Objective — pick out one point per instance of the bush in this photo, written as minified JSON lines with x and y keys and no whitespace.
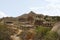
{"x":51,"y":36}
{"x":40,"y":32}
{"x":4,"y":33}
{"x":42,"y":29}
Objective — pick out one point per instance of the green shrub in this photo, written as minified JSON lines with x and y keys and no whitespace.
{"x":51,"y":36}
{"x":40,"y":32}
{"x":42,"y":29}
{"x":4,"y":33}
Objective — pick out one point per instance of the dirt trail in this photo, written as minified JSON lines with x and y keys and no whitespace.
{"x":56,"y":27}
{"x":15,"y":37}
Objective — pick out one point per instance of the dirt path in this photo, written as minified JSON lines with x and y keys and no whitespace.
{"x":15,"y":37}
{"x":56,"y":27}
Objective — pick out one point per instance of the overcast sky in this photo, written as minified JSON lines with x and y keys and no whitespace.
{"x":19,"y":7}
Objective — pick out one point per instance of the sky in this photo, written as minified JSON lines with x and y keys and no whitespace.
{"x":18,"y":7}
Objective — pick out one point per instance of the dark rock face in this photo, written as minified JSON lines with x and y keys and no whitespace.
{"x":38,"y":22}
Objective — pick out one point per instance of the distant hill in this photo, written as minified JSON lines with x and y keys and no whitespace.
{"x":31,"y":16}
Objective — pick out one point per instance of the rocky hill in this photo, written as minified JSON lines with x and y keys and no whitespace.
{"x":31,"y":26}
{"x":31,"y":19}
